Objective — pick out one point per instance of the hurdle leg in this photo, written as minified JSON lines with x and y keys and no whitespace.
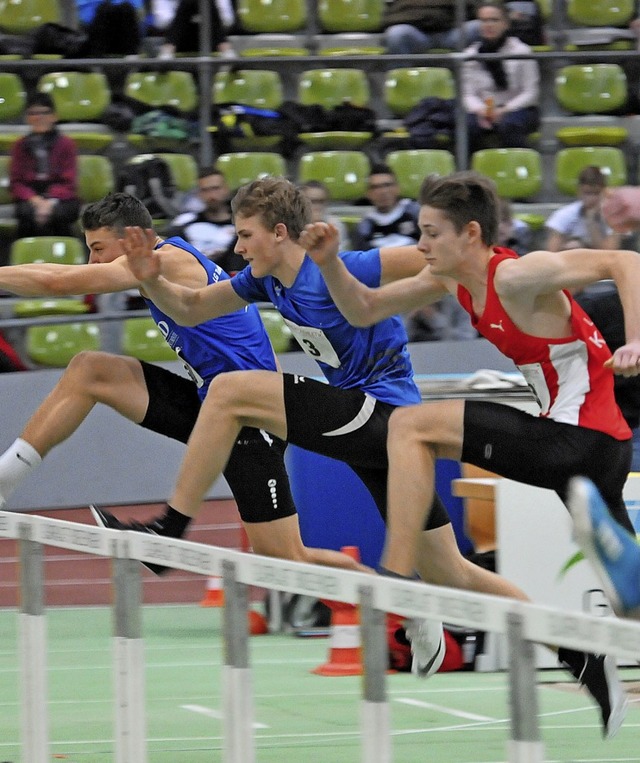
{"x":33,"y":651}
{"x":128,"y":663}
{"x":239,"y":742}
{"x":525,"y":745}
{"x":375,"y":722}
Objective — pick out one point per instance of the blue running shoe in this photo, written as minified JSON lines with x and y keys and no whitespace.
{"x":613,"y":552}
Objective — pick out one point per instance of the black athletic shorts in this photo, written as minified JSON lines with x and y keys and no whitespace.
{"x":255,"y":471}
{"x":545,"y":453}
{"x":350,"y":426}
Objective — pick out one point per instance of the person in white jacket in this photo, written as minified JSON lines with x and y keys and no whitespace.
{"x":500,"y":95}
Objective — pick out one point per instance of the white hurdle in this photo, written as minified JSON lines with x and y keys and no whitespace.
{"x":522,"y":623}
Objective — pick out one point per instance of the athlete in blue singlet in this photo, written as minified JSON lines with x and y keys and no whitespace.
{"x":152,"y":396}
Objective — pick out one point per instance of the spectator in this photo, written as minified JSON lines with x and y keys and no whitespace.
{"x":513,"y":233}
{"x":113,"y":27}
{"x":318,"y":195}
{"x":211,"y":229}
{"x":526,"y":22}
{"x":500,"y":95}
{"x":182,"y":34}
{"x":392,"y":221}
{"x":42,"y":174}
{"x":416,"y":26}
{"x":581,"y":223}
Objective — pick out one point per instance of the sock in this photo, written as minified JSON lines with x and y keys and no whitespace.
{"x":173,"y":524}
{"x":15,"y":463}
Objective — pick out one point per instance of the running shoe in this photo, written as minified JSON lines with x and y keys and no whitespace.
{"x":599,"y":675}
{"x":105,"y":519}
{"x":613,"y":552}
{"x":427,"y":646}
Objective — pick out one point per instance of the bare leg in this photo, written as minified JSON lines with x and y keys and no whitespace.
{"x":90,"y":378}
{"x":418,"y":435}
{"x":235,"y":399}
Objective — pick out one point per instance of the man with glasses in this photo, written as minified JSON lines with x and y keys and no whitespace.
{"x":43,"y":174}
{"x":392,"y":221}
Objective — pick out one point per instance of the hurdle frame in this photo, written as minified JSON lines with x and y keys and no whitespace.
{"x":523,"y":623}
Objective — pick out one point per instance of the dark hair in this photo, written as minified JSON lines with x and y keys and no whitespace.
{"x":205,"y":172}
{"x":275,"y":200}
{"x":592,"y":175}
{"x":464,"y":197}
{"x":117,"y":211}
{"x":40,"y":99}
{"x":500,"y":7}
{"x":379,"y":168}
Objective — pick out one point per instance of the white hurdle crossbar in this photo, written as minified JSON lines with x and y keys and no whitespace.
{"x":522,"y":623}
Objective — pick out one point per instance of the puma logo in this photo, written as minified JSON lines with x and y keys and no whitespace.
{"x":498,"y":325}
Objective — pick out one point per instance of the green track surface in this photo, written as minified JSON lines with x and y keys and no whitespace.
{"x":452,"y":718}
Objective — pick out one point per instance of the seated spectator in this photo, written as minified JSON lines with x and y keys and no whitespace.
{"x":211,"y":229}
{"x":526,"y":22}
{"x":182,"y":34}
{"x":581,"y":222}
{"x":43,"y":173}
{"x":392,"y":221}
{"x":443,"y":320}
{"x":513,"y":233}
{"x":113,"y":27}
{"x":416,"y":26}
{"x":500,"y":96}
{"x":318,"y":195}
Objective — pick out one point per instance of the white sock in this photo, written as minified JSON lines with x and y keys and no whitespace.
{"x":15,"y":463}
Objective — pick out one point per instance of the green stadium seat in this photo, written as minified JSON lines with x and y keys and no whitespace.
{"x":184,"y":170}
{"x":12,"y":97}
{"x":350,"y":15}
{"x":261,"y":88}
{"x":244,"y":167}
{"x":404,"y":88}
{"x":517,"y":172}
{"x":24,"y":16}
{"x":278,"y":331}
{"x":64,"y":250}
{"x":141,"y":338}
{"x":411,"y":166}
{"x":260,"y":16}
{"x":5,"y":195}
{"x":600,"y":12}
{"x":344,"y":173}
{"x":571,"y":161}
{"x":56,"y":344}
{"x":78,"y":96}
{"x":591,"y":88}
{"x":176,"y":89}
{"x":95,"y":177}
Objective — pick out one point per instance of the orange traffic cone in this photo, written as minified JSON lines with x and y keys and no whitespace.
{"x":345,"y":657}
{"x":214,"y":594}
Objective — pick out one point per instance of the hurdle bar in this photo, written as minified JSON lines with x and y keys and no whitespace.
{"x":523,"y":623}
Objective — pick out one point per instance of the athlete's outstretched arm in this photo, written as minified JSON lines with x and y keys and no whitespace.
{"x":186,"y":306}
{"x":56,"y":280}
{"x":360,"y":304}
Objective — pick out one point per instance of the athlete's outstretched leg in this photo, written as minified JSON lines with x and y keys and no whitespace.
{"x":90,"y":378}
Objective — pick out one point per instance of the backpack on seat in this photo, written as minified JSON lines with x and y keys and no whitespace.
{"x":149,"y":179}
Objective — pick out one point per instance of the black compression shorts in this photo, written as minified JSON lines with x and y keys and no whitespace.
{"x":255,"y":471}
{"x":347,"y":425}
{"x":545,"y":453}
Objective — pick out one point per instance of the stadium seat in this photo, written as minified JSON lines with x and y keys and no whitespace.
{"x":350,"y":15}
{"x":571,"y":161}
{"x":64,"y":250}
{"x":95,"y":177}
{"x":176,"y":89}
{"x":411,"y":166}
{"x":12,"y":97}
{"x":269,"y":45}
{"x":278,"y":331}
{"x":259,"y":16}
{"x":404,"y":88}
{"x":261,"y":88}
{"x":32,"y":308}
{"x":591,"y":88}
{"x":78,"y":96}
{"x":55,"y":345}
{"x":350,"y":44}
{"x":5,"y":196}
{"x":24,"y":16}
{"x":600,"y":12}
{"x":243,"y":167}
{"x":141,"y":338}
{"x":517,"y":172}
{"x":330,"y":88}
{"x":344,"y":173}
{"x":184,"y":170}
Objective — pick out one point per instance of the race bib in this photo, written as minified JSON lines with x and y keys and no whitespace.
{"x":314,"y":343}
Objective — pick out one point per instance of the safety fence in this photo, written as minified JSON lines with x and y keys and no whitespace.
{"x":523,"y":624}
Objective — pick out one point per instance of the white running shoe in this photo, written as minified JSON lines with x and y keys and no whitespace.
{"x":427,"y":646}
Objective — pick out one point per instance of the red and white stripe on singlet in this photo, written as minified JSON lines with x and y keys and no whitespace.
{"x":567,"y":375}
